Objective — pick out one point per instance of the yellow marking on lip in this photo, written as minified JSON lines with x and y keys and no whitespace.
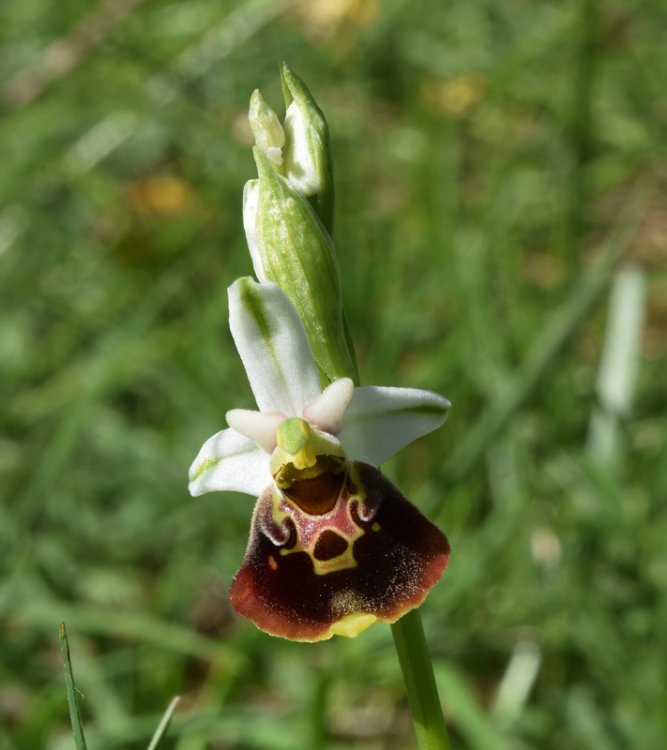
{"x":322,"y":567}
{"x":351,"y":625}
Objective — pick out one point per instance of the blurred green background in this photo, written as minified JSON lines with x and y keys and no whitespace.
{"x":501,"y":227}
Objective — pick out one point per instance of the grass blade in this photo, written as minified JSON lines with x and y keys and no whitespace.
{"x":164,"y":722}
{"x":619,"y":366}
{"x":75,"y":716}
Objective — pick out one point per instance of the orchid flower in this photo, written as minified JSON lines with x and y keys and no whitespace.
{"x":334,"y":546}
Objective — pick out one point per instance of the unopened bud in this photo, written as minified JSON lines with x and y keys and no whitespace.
{"x":266,"y":128}
{"x":290,"y":246}
{"x":307,"y":152}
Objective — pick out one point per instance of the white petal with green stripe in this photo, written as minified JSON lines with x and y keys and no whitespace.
{"x":229,"y":462}
{"x":380,"y":421}
{"x":272,"y":343}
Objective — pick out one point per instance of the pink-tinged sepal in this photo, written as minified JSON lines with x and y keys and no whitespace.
{"x":372,"y":556}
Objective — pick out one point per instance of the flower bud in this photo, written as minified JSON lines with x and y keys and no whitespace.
{"x":290,"y":246}
{"x":307,"y":152}
{"x":266,"y":128}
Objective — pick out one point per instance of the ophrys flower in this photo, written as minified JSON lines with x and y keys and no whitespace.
{"x":334,"y":546}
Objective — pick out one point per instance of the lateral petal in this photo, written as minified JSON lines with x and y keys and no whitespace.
{"x":380,"y":421}
{"x":229,"y":462}
{"x":327,"y":410}
{"x":272,"y":343}
{"x":259,"y":426}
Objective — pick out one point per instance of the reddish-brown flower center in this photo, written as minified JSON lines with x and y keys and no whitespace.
{"x":316,"y":488}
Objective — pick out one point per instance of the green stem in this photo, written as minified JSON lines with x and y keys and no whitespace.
{"x":420,"y":684}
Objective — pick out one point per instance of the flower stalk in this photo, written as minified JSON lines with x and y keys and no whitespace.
{"x":422,"y":692}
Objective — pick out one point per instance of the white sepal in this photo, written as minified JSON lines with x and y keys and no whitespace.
{"x":380,"y":421}
{"x":230,"y":462}
{"x":272,"y":343}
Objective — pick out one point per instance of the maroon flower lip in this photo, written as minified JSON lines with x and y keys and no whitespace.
{"x":372,"y":557}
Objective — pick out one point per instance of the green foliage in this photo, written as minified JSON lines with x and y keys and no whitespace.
{"x":488,"y":158}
